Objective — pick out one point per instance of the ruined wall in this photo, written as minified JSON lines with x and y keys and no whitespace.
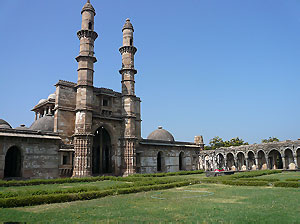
{"x":39,"y":156}
{"x":276,"y":155}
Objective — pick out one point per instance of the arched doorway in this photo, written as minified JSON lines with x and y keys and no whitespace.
{"x":181,"y":161}
{"x":160,"y":162}
{"x":13,"y":163}
{"x":275,"y":160}
{"x":262,"y":162}
{"x":220,"y":161}
{"x":289,"y":159}
{"x":241,"y":162}
{"x":207,"y":164}
{"x":102,"y":152}
{"x":230,"y":161}
{"x":251,"y":161}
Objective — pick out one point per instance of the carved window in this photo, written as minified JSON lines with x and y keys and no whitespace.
{"x":90,"y":25}
{"x":65,"y":159}
{"x":131,"y":42}
{"x":105,"y":102}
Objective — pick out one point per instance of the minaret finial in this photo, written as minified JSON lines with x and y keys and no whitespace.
{"x":88,"y":1}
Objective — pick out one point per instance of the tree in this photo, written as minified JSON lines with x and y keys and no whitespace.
{"x":218,"y":142}
{"x":271,"y":139}
{"x":235,"y":142}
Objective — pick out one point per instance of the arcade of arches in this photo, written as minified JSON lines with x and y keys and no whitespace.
{"x":282,"y":155}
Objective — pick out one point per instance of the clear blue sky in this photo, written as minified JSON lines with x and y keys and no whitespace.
{"x":205,"y":67}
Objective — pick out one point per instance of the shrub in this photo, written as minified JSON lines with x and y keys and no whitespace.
{"x":287,"y":184}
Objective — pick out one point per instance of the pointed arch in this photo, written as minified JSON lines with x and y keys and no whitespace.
{"x":275,"y":160}
{"x":241,"y":161}
{"x":101,"y":152}
{"x":289,"y":159}
{"x":13,"y":163}
{"x":181,"y":161}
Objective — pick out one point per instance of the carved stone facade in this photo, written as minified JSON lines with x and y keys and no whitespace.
{"x":279,"y":155}
{"x":84,"y":130}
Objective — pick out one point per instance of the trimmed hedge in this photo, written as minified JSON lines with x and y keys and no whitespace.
{"x":287,"y":184}
{"x":237,"y":182}
{"x":293,"y":179}
{"x":168,"y":174}
{"x":52,"y":181}
{"x":260,"y":179}
{"x":135,"y":177}
{"x":147,"y":182}
{"x":245,"y":183}
{"x":254,"y":173}
{"x":59,"y":198}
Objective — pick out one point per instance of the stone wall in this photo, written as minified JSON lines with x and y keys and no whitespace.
{"x":147,"y":158}
{"x":39,"y":154}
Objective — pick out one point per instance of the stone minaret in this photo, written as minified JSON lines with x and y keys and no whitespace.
{"x":129,"y":137}
{"x":83,"y":136}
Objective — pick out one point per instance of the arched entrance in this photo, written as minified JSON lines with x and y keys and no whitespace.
{"x":251,"y":161}
{"x":275,"y":160}
{"x":289,"y":159}
{"x":241,"y":162}
{"x":262,"y":162}
{"x":181,"y":161}
{"x":160,"y":162}
{"x":220,"y":161}
{"x":13,"y":163}
{"x":207,"y":164}
{"x":230,"y":161}
{"x":102,"y":152}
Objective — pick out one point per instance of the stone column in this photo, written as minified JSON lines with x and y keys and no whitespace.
{"x":283,"y":163}
{"x":247,"y":163}
{"x":295,"y":160}
{"x":256,"y":163}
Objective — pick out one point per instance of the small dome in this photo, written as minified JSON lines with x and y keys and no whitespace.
{"x":22,"y":127}
{"x":41,"y":101}
{"x":88,"y":7}
{"x":127,"y":25}
{"x":161,"y":134}
{"x":45,"y":123}
{"x":4,"y":124}
{"x":52,"y":96}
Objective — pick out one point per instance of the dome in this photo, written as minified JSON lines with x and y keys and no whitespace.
{"x":22,"y":127}
{"x":127,"y":25}
{"x":45,"y":123}
{"x":161,"y":134}
{"x":4,"y":124}
{"x":88,"y":7}
{"x":52,"y":96}
{"x":41,"y":101}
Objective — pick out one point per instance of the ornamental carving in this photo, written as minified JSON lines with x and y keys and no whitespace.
{"x":128,"y":49}
{"x":87,"y":34}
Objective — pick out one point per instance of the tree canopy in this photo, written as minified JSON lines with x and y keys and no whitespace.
{"x":218,"y":142}
{"x":271,"y":139}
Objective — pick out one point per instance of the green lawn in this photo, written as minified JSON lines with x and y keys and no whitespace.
{"x":208,"y":203}
{"x":203,"y":203}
